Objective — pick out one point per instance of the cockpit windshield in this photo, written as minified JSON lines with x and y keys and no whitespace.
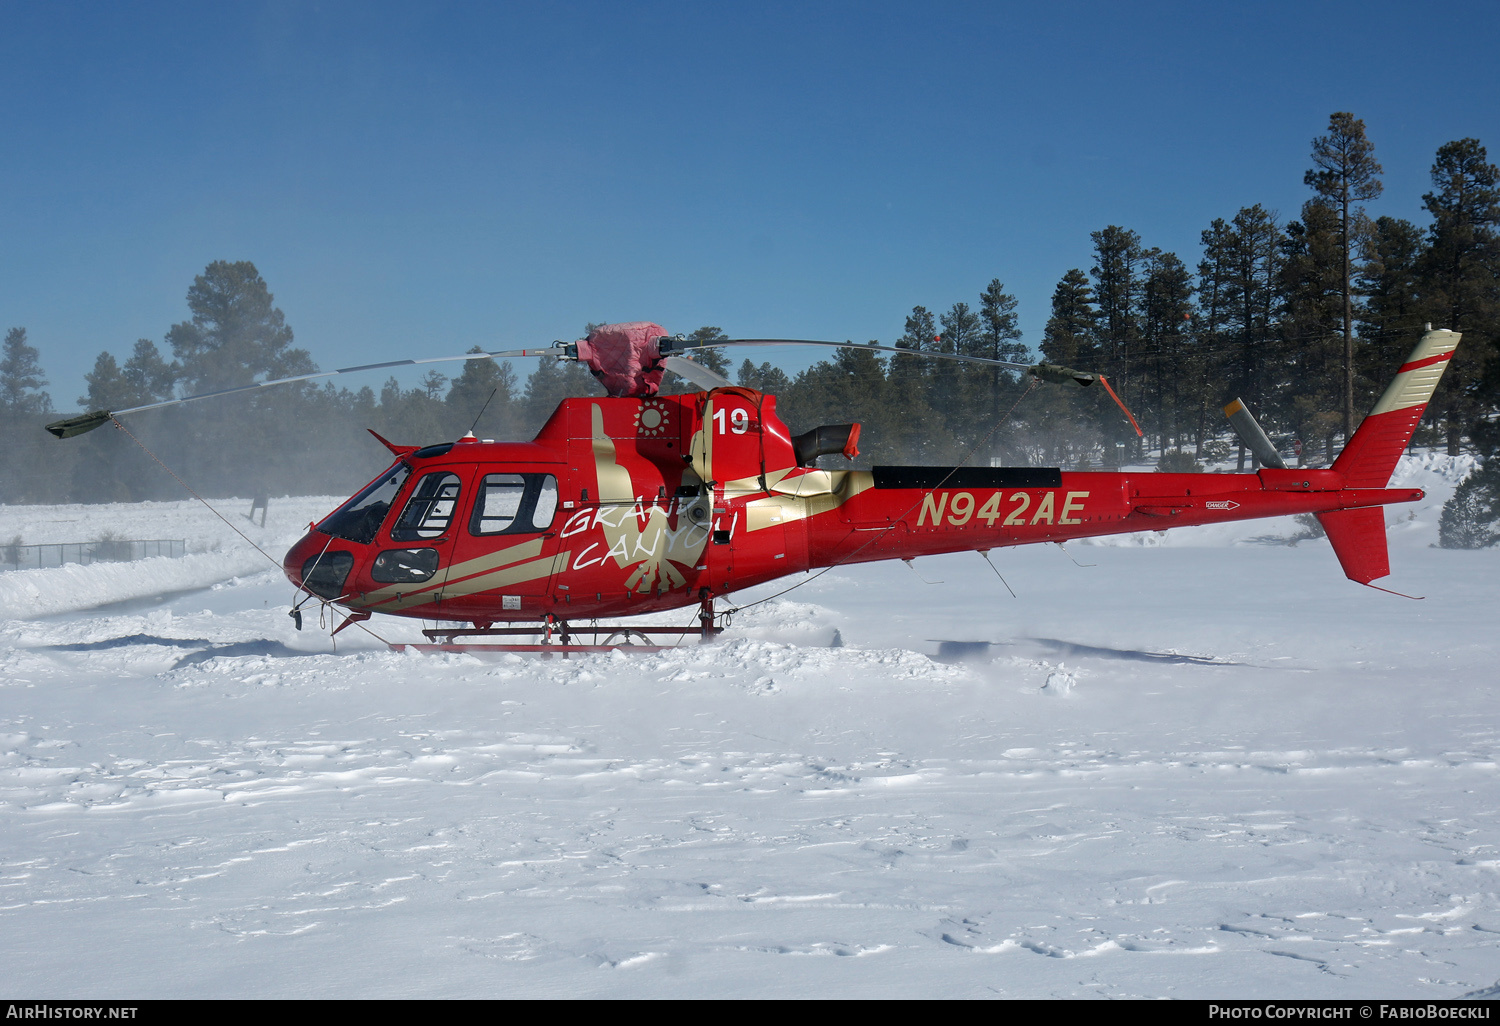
{"x":360,"y":518}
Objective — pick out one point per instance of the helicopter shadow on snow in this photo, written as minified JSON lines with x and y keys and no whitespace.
{"x":969,"y":651}
{"x":206,"y":649}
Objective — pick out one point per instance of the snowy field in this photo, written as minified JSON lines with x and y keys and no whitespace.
{"x":1205,"y":766}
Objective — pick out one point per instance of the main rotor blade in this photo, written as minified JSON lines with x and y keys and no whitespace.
{"x":680,"y":346}
{"x":698,"y":374}
{"x":71,"y":426}
{"x":1248,"y":428}
{"x":1050,"y":372}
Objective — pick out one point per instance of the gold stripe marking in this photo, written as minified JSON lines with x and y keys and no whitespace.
{"x":458,"y":571}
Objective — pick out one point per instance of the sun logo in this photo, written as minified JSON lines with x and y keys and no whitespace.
{"x":651,"y":419}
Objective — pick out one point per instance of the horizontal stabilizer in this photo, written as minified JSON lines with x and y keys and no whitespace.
{"x":1358,"y":538}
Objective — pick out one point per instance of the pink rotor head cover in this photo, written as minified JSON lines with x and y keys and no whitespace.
{"x":625,"y":357}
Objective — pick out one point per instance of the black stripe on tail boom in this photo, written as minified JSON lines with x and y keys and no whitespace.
{"x":967,"y":477}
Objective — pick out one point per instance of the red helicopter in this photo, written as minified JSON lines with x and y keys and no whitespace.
{"x":639,"y":502}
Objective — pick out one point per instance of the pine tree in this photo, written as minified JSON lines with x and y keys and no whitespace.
{"x":1252,"y":298}
{"x":1211,"y":325}
{"x":1345,"y":173}
{"x":483,"y":386}
{"x":1390,"y":318}
{"x":235,"y":336}
{"x":1469,"y":516}
{"x":960,"y":391}
{"x":910,"y":377}
{"x":921,"y":330}
{"x":28,"y":473}
{"x":109,"y":468}
{"x":107,"y":387}
{"x":765,"y":378}
{"x":236,"y":332}
{"x":432,"y":384}
{"x":151,"y":379}
{"x":1070,"y":338}
{"x":960,"y":331}
{"x":21,"y":379}
{"x":1165,"y":320}
{"x":713,"y":359}
{"x":1461,"y":275}
{"x":1310,"y":390}
{"x":1000,"y":335}
{"x":551,"y":383}
{"x":1238,"y":296}
{"x":1000,"y":329}
{"x":1067,"y":419}
{"x":1116,"y":275}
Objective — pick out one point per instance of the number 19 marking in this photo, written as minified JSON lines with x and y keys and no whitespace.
{"x":739,"y":421}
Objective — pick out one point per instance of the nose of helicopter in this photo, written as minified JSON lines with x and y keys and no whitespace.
{"x":315,"y":565}
{"x":296,"y":557}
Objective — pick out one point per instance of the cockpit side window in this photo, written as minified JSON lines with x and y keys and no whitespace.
{"x":430,"y":508}
{"x":360,"y":518}
{"x":514,"y":504}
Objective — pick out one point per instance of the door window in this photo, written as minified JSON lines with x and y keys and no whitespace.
{"x":430,"y":509}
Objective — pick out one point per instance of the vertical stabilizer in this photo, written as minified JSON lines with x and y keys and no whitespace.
{"x":1358,"y":539}
{"x":1371,"y":455}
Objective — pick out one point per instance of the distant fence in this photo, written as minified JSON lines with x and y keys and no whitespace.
{"x":109,"y":550}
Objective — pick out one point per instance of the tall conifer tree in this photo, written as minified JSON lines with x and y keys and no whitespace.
{"x":1345,"y":173}
{"x":1212,"y":323}
{"x":1117,"y":285}
{"x":913,"y":377}
{"x":1310,"y":387}
{"x":1166,"y":314}
{"x":1461,"y":274}
{"x":1070,"y":336}
{"x":1390,"y":318}
{"x":1000,"y":328}
{"x":485,"y":390}
{"x":21,"y":378}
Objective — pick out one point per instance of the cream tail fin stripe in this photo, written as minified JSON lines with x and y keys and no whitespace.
{"x":1419,"y":375}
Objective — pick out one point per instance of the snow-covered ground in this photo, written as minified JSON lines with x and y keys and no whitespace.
{"x":215,"y":552}
{"x":1202,"y":766}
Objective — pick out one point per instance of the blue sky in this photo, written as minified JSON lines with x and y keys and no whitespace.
{"x":413,"y":179}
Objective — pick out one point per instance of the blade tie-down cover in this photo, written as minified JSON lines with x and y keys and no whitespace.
{"x":625,"y":357}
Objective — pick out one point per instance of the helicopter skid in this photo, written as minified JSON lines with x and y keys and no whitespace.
{"x":557,"y":639}
{"x":542,"y":650}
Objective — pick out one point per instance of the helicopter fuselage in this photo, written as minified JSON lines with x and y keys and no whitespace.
{"x":626,"y":505}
